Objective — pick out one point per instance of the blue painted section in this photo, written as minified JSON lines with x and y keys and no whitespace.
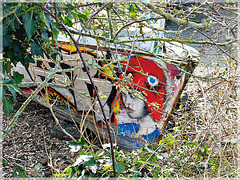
{"x":128,"y":131}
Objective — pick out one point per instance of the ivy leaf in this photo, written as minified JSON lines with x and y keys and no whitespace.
{"x":36,"y":49}
{"x":119,"y":167}
{"x":44,"y":35}
{"x":8,"y":67}
{"x":190,"y":144}
{"x":28,"y":59}
{"x":132,"y":13}
{"x":149,"y":148}
{"x":48,"y":20}
{"x":18,"y":77}
{"x":138,"y":7}
{"x":12,"y":26}
{"x":7,"y":106}
{"x":55,"y":31}
{"x":30,"y":27}
{"x":98,"y":153}
{"x":75,"y":146}
{"x":7,"y":40}
{"x":90,"y":162}
{"x":42,"y":17}
{"x":110,"y":5}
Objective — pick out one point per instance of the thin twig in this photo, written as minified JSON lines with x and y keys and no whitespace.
{"x":94,"y":14}
{"x":73,"y":7}
{"x":216,"y":45}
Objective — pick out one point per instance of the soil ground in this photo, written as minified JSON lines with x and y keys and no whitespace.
{"x":29,"y":142}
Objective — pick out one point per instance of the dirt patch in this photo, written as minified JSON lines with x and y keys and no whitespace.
{"x":29,"y":142}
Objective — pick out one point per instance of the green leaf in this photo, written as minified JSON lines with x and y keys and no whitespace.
{"x":48,"y":20}
{"x":67,"y":21}
{"x":30,"y":27}
{"x":13,"y":92}
{"x":110,"y":5}
{"x":149,"y":148}
{"x":16,"y":88}
{"x":20,"y":167}
{"x":36,"y":49}
{"x":72,"y":143}
{"x":12,"y":26}
{"x":15,"y":174}
{"x":115,"y":11}
{"x":137,"y":6}
{"x":28,"y":58}
{"x":131,"y":11}
{"x":7,"y":40}
{"x":120,"y":167}
{"x":180,"y":106}
{"x":7,"y":106}
{"x":87,"y":13}
{"x":55,"y":31}
{"x":5,"y":163}
{"x":18,"y":77}
{"x":75,"y":146}
{"x":8,"y":67}
{"x":37,"y":167}
{"x":5,"y":131}
{"x":42,"y":17}
{"x":144,"y":162}
{"x":21,"y":170}
{"x":83,"y":17}
{"x":44,"y":35}
{"x":97,"y":154}
{"x":70,"y":15}
{"x":91,"y":162}
{"x":190,"y":144}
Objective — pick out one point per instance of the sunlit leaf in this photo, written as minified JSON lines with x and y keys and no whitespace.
{"x":106,"y":168}
{"x":180,"y":106}
{"x":75,"y":146}
{"x":87,"y":13}
{"x":67,"y":21}
{"x":81,"y":159}
{"x":131,"y":11}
